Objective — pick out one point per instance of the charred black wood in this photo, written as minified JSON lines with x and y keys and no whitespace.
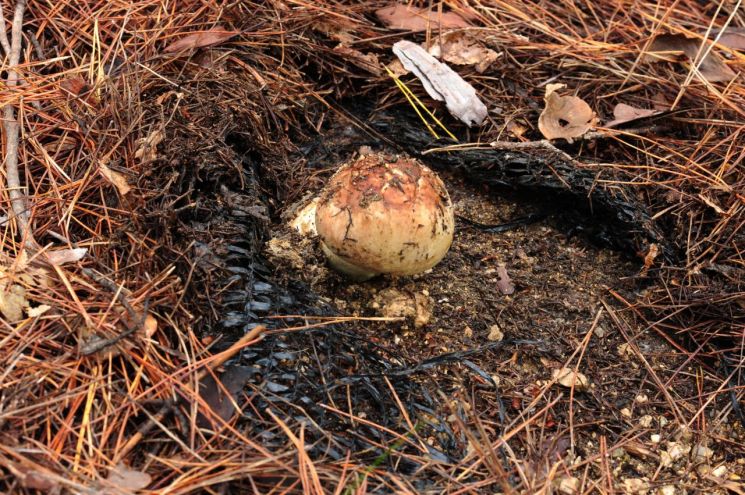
{"x":567,"y":193}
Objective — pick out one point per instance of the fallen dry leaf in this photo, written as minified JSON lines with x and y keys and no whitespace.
{"x":16,"y":276}
{"x":201,"y":39}
{"x":143,"y":325}
{"x":74,"y":85}
{"x":147,"y":323}
{"x":223,"y":405}
{"x":12,"y":299}
{"x":515,"y":128}
{"x":567,"y":377}
{"x":34,"y":480}
{"x":115,"y":178}
{"x":733,"y":37}
{"x":150,"y":326}
{"x":397,"y":68}
{"x":339,"y":30}
{"x":410,"y":18}
{"x":565,"y":117}
{"x":37,"y":311}
{"x":671,"y":46}
{"x":442,"y":83}
{"x":462,"y":48}
{"x":504,"y":283}
{"x":62,"y":256}
{"x":623,"y":113}
{"x":365,"y":61}
{"x":125,"y":480}
{"x":660,"y":102}
{"x":147,"y":147}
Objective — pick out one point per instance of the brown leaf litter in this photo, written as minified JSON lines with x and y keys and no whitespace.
{"x":504,"y":283}
{"x":680,"y":48}
{"x":200,"y":39}
{"x":221,"y":394}
{"x":410,"y":18}
{"x":623,"y":113}
{"x":123,"y":480}
{"x":733,"y":37}
{"x":17,"y":277}
{"x":566,"y":117}
{"x":463,"y":48}
{"x":366,"y":61}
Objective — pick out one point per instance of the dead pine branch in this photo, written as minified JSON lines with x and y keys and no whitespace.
{"x":12,"y":127}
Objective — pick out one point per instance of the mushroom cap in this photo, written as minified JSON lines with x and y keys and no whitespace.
{"x":382,"y":214}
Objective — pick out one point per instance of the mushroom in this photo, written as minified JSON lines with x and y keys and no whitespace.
{"x":384,"y":215}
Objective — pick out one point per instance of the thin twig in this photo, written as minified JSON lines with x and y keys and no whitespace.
{"x":37,"y":46}
{"x":3,"y":34}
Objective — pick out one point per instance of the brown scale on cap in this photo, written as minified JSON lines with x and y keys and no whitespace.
{"x":382,"y":214}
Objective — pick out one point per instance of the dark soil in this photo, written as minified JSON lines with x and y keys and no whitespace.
{"x":564,"y":287}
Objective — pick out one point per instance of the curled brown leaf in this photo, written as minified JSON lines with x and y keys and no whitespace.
{"x":504,"y":282}
{"x":565,"y":117}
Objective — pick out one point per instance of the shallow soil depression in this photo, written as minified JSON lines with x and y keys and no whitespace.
{"x":509,"y":322}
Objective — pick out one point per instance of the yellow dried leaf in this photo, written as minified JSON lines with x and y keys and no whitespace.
{"x":38,"y":310}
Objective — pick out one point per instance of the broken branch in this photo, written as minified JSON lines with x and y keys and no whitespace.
{"x":12,"y":128}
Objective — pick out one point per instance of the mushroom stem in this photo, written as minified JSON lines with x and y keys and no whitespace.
{"x":352,"y":271}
